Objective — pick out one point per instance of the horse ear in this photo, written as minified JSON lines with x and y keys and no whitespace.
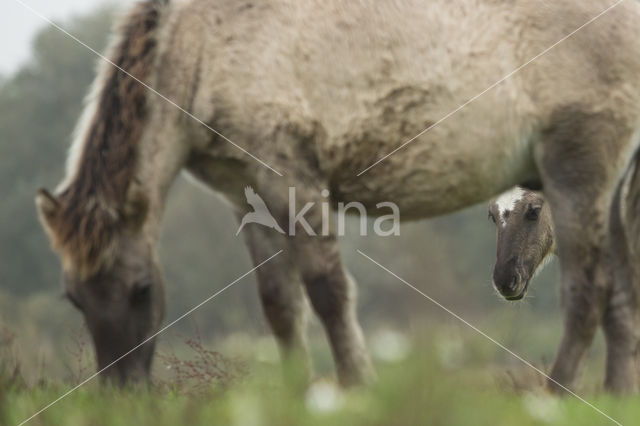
{"x":48,"y":207}
{"x":136,"y":207}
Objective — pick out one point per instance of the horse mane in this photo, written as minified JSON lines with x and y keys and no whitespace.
{"x":92,"y":203}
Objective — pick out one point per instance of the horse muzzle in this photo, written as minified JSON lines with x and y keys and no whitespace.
{"x":510,"y":283}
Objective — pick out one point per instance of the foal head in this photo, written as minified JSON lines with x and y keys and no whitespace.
{"x":525,"y":239}
{"x":111,"y":275}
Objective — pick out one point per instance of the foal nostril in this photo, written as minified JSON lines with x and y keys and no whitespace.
{"x":506,"y":277}
{"x":506,"y":281}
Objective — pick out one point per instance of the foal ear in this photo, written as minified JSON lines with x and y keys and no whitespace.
{"x":136,"y":206}
{"x":48,"y":207}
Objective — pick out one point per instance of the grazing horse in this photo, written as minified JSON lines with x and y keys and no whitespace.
{"x":526,"y":242}
{"x":321,"y":92}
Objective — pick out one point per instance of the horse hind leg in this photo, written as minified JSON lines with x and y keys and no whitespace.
{"x":620,"y":325}
{"x":283,"y":300}
{"x":579,"y":159}
{"x":621,"y":322}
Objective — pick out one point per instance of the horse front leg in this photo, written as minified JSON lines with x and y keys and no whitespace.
{"x":283,"y":301}
{"x":297,"y":199}
{"x":331,"y":290}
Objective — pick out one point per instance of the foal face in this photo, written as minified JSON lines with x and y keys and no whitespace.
{"x":122,"y":305}
{"x":525,"y":239}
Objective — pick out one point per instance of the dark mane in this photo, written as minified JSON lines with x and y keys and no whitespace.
{"x":92,"y":205}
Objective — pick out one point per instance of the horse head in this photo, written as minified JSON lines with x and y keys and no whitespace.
{"x":525,"y":240}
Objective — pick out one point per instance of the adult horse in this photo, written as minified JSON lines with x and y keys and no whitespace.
{"x":319,"y":92}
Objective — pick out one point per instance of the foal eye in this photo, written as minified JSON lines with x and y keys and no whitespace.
{"x":141,"y":293}
{"x":533,"y":213}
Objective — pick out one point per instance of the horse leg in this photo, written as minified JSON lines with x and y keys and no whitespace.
{"x":620,"y":325}
{"x":579,"y":158}
{"x":283,"y":300}
{"x":331,"y":291}
{"x":622,"y":317}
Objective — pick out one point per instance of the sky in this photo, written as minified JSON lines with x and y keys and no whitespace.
{"x":18,"y":25}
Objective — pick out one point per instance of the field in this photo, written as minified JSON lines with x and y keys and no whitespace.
{"x":450,"y":378}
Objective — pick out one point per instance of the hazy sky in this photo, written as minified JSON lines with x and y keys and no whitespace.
{"x":18,"y":25}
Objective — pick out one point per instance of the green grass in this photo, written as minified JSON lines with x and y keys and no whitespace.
{"x":421,"y":389}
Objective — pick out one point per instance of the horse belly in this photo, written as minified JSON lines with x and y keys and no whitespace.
{"x":372,"y":87}
{"x":468,"y":158}
{"x":385,"y":87}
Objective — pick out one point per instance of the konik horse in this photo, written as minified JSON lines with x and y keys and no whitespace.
{"x":315,"y":95}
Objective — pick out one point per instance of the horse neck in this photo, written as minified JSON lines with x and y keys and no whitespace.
{"x":104,"y":184}
{"x":162,"y":156}
{"x":119,"y":148}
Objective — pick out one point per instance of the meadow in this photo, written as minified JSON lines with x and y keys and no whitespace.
{"x":437,"y":376}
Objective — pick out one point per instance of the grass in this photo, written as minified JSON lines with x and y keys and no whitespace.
{"x":431,"y":383}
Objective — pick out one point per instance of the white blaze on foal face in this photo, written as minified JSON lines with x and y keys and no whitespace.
{"x":506,"y":203}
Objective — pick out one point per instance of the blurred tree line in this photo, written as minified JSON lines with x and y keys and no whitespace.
{"x":449,"y":258}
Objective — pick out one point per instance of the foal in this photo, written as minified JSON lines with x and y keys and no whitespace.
{"x":526,"y":242}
